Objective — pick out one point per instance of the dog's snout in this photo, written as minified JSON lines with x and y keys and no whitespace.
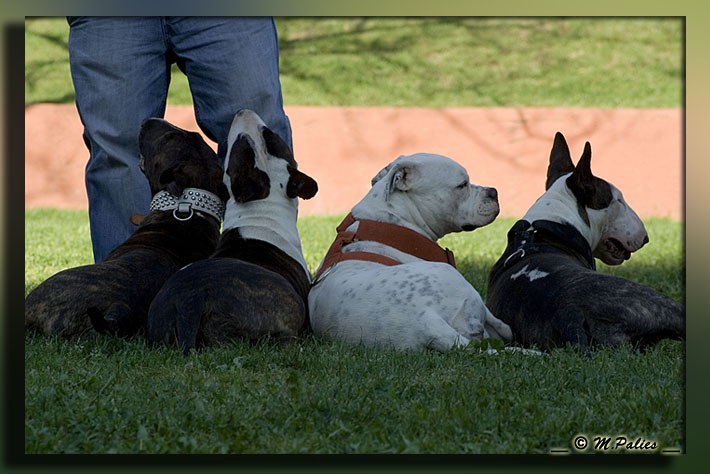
{"x":645,"y":239}
{"x":492,"y":193}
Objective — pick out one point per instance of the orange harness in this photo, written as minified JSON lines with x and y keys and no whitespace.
{"x":398,"y":237}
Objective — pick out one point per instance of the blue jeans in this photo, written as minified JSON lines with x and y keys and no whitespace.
{"x":121,"y":72}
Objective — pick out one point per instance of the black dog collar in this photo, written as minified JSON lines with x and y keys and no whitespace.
{"x":526,"y":238}
{"x":192,"y":201}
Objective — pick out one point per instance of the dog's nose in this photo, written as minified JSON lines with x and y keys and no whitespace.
{"x":492,"y":193}
{"x":645,"y":239}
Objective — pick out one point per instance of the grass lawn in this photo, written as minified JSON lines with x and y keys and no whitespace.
{"x":436,"y":62}
{"x":314,"y":396}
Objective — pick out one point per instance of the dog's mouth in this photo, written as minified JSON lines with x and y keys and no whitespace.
{"x":484,"y":216}
{"x":614,"y":252}
{"x":492,"y":212}
{"x":489,"y":208}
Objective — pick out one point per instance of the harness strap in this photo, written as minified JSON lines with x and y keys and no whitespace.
{"x":526,"y":238}
{"x":398,"y":237}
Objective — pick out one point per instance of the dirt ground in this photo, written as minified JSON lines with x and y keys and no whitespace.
{"x":342,"y":148}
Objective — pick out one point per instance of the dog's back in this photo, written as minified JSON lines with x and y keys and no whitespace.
{"x":247,"y":290}
{"x":119,"y":288}
{"x":553,"y":296}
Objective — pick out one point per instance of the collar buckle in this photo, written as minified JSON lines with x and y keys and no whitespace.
{"x":183,"y":208}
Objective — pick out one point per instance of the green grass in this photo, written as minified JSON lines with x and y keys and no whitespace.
{"x":437,"y":62}
{"x":314,"y":396}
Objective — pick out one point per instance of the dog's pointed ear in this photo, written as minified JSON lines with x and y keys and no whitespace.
{"x":582,"y":180}
{"x":300,"y":184}
{"x":589,"y":190}
{"x":584,"y":165}
{"x":560,"y":160}
{"x":401,"y":176}
{"x":249,"y":183}
{"x":581,"y":183}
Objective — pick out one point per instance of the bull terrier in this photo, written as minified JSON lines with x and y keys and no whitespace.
{"x":545,"y":285}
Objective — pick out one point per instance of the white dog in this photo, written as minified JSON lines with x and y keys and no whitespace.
{"x":408,"y":295}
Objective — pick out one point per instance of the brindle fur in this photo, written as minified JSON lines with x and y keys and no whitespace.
{"x":116,"y":293}
{"x":248,"y":290}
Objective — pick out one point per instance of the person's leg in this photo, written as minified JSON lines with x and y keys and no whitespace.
{"x":121,"y":77}
{"x":231,"y":63}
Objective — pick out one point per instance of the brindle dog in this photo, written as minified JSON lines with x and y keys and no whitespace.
{"x":256,"y":283}
{"x":113,"y":296}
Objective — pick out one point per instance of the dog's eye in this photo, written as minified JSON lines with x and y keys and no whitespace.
{"x":462,"y":185}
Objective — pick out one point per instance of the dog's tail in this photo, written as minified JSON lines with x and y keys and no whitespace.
{"x":497,"y":328}
{"x":118,"y":320}
{"x":173,"y":321}
{"x":189,"y":320}
{"x":667,"y":321}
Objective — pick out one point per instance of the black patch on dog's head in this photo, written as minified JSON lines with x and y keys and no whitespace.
{"x":173,"y":159}
{"x":592,"y":192}
{"x":249,"y":183}
{"x":560,"y":160}
{"x":275,"y":146}
{"x":300,"y":184}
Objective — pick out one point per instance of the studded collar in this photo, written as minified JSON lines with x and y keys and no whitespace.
{"x":192,"y":201}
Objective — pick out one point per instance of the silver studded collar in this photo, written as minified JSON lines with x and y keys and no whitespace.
{"x":192,"y":201}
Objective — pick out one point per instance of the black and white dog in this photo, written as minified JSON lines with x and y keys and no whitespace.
{"x":256,"y":283}
{"x":113,"y":296}
{"x":545,"y":285}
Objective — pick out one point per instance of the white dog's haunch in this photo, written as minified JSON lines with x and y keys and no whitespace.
{"x":385,"y":281}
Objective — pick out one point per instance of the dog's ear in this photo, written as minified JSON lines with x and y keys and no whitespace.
{"x":589,"y":190}
{"x":300,"y":184}
{"x":401,"y":176}
{"x":275,"y":146}
{"x":560,"y":160}
{"x":249,"y":183}
{"x":383,"y":172}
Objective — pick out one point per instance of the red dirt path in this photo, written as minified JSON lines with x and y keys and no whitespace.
{"x":342,"y":148}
